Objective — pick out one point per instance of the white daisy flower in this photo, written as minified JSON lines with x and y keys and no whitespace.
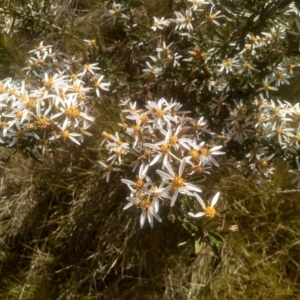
{"x":209,"y":211}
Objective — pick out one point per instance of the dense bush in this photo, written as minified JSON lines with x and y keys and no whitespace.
{"x":159,"y":104}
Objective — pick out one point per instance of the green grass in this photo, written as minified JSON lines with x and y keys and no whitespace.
{"x":66,"y":236}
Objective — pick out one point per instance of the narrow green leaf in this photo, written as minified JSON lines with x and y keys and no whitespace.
{"x":211,"y":225}
{"x":216,"y":238}
{"x":223,"y":212}
{"x":198,"y":245}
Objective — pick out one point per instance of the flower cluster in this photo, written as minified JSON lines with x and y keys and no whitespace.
{"x":116,"y":12}
{"x":238,"y":86}
{"x":51,"y":104}
{"x":23,"y":15}
{"x":167,"y":148}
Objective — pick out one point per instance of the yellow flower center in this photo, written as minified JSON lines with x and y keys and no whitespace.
{"x":165,"y":148}
{"x":20,"y":134}
{"x":137,"y":128}
{"x":2,"y":88}
{"x":205,"y":151}
{"x":12,"y":92}
{"x":118,"y":152}
{"x":76,"y":88}
{"x":42,"y":122}
{"x":139,"y":184}
{"x":210,"y":212}
{"x":72,"y":112}
{"x":173,"y":139}
{"x":210,"y":17}
{"x":198,"y":127}
{"x":297,"y":137}
{"x":3,"y":124}
{"x":143,"y":118}
{"x":177,"y":182}
{"x":147,"y":153}
{"x":74,"y":76}
{"x":39,"y":48}
{"x":279,"y":75}
{"x":30,"y":103}
{"x":187,"y":20}
{"x":247,"y":66}
{"x":81,"y":97}
{"x":145,"y":202}
{"x":159,"y":113}
{"x":19,"y":114}
{"x":278,"y":131}
{"x":228,"y":63}
{"x":65,"y":134}
{"x":93,"y":42}
{"x":194,"y":154}
{"x":48,"y":83}
{"x":97,"y":84}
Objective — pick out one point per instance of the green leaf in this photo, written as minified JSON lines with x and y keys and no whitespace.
{"x":214,"y":248}
{"x":214,"y":219}
{"x":223,"y":212}
{"x":198,"y":245}
{"x":198,"y":179}
{"x":211,"y":225}
{"x":212,"y":245}
{"x":215,"y":238}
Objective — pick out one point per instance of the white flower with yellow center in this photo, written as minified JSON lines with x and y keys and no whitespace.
{"x":209,"y":211}
{"x":146,"y":203}
{"x":140,"y":183}
{"x":159,"y":23}
{"x":176,"y":183}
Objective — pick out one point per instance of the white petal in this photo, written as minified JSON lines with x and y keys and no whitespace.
{"x":156,"y":205}
{"x":102,"y":164}
{"x":153,"y":212}
{"x":182,"y":166}
{"x":74,"y":140}
{"x":215,"y":148}
{"x":197,"y":215}
{"x":164,"y":175}
{"x":142,"y":219}
{"x":192,"y":187}
{"x":143,"y":170}
{"x":200,"y":201}
{"x":126,"y":181}
{"x":156,"y":159}
{"x":215,"y":199}
{"x":169,"y":168}
{"x":150,"y":218}
{"x":128,"y":205}
{"x":174,"y":197}
{"x":212,"y":159}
